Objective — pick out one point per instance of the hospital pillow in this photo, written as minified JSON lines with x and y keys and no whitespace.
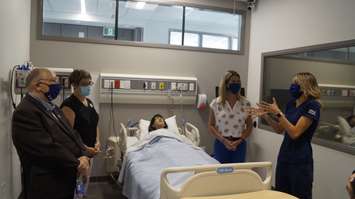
{"x":171,"y":122}
{"x":344,"y":126}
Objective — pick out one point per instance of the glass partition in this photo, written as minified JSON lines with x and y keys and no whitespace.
{"x":334,"y":68}
{"x":79,"y":18}
{"x":144,"y":23}
{"x":152,"y":22}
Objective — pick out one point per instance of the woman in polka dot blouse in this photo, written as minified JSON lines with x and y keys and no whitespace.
{"x":229,"y":122}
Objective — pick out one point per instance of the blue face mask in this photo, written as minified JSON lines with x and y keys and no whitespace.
{"x":85,"y":90}
{"x":295,"y":91}
{"x":53,"y":92}
{"x":234,"y":88}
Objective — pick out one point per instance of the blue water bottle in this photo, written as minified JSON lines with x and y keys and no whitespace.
{"x":80,"y":188}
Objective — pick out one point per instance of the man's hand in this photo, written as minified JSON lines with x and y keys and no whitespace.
{"x":84,"y":165}
{"x":349,"y":187}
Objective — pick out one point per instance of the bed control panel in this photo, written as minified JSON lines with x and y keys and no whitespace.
{"x":223,"y":170}
{"x":147,"y":89}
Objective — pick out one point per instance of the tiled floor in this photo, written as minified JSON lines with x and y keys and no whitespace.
{"x":104,"y":190}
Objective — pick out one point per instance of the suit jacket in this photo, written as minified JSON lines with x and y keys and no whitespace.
{"x":48,"y":149}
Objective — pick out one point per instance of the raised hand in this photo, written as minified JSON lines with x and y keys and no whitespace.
{"x":269,"y":108}
{"x":254,"y":112}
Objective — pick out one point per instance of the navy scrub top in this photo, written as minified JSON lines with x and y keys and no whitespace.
{"x":299,"y":151}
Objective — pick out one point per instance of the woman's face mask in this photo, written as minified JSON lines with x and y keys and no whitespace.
{"x":295,"y":91}
{"x":234,"y":88}
{"x":85,"y":90}
{"x":85,"y":87}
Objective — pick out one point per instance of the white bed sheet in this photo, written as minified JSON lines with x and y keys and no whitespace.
{"x":144,"y":161}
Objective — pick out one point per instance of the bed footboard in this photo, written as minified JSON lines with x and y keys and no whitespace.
{"x":219,"y":179}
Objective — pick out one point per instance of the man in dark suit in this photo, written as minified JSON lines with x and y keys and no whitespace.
{"x":50,"y":152}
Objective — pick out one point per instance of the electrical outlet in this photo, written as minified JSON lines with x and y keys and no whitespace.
{"x":191,"y":87}
{"x":180,"y":86}
{"x":153,"y":85}
{"x":173,"y":86}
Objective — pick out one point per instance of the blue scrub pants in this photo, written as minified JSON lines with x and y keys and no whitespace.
{"x":295,"y":179}
{"x":223,"y":155}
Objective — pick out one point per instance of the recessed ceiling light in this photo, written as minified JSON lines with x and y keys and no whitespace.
{"x":140,"y":5}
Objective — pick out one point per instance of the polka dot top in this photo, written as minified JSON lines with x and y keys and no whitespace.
{"x":230,"y":121}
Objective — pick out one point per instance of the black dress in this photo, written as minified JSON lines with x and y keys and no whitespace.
{"x":86,"y":119}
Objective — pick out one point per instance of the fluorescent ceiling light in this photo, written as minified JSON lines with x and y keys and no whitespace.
{"x":83,"y":7}
{"x":140,"y":5}
{"x":189,"y":9}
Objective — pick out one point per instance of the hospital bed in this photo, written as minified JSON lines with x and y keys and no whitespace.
{"x":144,"y":161}
{"x":348,"y":135}
{"x":222,"y":181}
{"x":339,"y":132}
{"x":128,"y":136}
{"x":168,"y":168}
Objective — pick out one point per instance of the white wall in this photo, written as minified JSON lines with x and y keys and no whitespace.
{"x":96,"y":58}
{"x":278,"y":25}
{"x":14,"y":49}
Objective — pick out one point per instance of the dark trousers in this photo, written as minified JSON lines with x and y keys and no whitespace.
{"x":295,"y":179}
{"x":223,"y":155}
{"x":39,"y":184}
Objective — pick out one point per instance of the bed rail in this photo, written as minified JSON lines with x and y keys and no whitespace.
{"x":192,"y":133}
{"x":219,"y":179}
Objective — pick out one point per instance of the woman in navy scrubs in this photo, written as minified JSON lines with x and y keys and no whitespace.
{"x":294,"y":172}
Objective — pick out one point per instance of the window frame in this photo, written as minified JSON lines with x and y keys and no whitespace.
{"x":242,"y":41}
{"x":201,"y":34}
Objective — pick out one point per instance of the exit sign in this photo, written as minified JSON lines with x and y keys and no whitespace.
{"x":109,"y":31}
